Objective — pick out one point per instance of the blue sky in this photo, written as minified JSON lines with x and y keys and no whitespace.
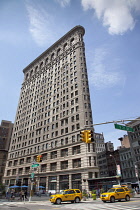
{"x":112,"y":41}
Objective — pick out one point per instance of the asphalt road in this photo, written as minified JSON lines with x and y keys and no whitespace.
{"x":134,"y":204}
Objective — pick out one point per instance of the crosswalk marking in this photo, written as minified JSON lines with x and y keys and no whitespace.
{"x":79,"y":206}
{"x":100,"y":206}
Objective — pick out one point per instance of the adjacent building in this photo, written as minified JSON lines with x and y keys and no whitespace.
{"x":54,"y":106}
{"x":127,"y":165}
{"x":134,"y":138}
{"x":100,"y":144}
{"x":5,"y":137}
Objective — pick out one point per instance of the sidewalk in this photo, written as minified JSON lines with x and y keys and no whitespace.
{"x":33,"y":199}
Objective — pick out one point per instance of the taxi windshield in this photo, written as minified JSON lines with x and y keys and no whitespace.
{"x":111,"y":190}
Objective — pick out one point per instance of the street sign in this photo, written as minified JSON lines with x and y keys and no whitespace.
{"x":35,"y":165}
{"x":32,"y":175}
{"x":122,"y":127}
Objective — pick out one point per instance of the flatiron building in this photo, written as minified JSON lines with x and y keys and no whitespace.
{"x":54,"y":106}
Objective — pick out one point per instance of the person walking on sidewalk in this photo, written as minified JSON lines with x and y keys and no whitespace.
{"x":25,"y":194}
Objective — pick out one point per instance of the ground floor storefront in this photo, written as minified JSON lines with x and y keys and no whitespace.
{"x":53,"y":183}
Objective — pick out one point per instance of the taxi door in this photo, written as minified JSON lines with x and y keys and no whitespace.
{"x":69,"y":195}
{"x":120,"y":193}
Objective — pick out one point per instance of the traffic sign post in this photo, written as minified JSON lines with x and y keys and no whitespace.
{"x":125,"y":128}
{"x":32,"y":175}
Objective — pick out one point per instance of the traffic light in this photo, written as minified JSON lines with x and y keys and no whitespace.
{"x":83,"y":136}
{"x":89,"y":138}
{"x":38,"y":158}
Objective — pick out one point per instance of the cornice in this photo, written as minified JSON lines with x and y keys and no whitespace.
{"x":76,"y":28}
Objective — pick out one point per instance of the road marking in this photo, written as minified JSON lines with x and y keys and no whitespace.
{"x":101,"y":207}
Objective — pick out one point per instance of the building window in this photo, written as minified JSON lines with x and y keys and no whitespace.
{"x":8,"y":172}
{"x":10,"y":163}
{"x":62,"y":141}
{"x":64,"y":152}
{"x":77,"y":163}
{"x":53,"y":154}
{"x":27,"y":170}
{"x":28,"y":159}
{"x":21,"y":161}
{"x":53,"y":166}
{"x":76,"y":150}
{"x":44,"y":156}
{"x":64,"y":165}
{"x":15,"y":162}
{"x":20,"y":170}
{"x":73,"y":138}
{"x":14,"y":172}
{"x":43,"y":168}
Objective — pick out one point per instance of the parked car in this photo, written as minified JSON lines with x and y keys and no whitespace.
{"x":73,"y":195}
{"x":118,"y":193}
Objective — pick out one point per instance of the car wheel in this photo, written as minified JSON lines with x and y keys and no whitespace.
{"x":58,"y":201}
{"x":77,"y":200}
{"x":112,"y":199}
{"x":127,"y":198}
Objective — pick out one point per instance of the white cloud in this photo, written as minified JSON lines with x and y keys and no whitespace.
{"x":104,"y":72}
{"x":117,"y":15}
{"x":41,"y":25}
{"x":63,"y":3}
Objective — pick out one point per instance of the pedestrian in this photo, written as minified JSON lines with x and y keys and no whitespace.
{"x":137,"y":190}
{"x":22,"y":195}
{"x":8,"y":195}
{"x":12,"y":195}
{"x":25,"y":194}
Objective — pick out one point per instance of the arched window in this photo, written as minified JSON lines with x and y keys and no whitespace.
{"x":46,"y":61}
{"x":31,"y":73}
{"x":58,"y":52}
{"x":52,"y":56}
{"x":26,"y":77}
{"x":65,"y":46}
{"x":72,"y":41}
{"x":36,"y":68}
{"x":41,"y":65}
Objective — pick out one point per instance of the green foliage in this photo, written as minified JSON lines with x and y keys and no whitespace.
{"x":93,"y":191}
{"x":85,"y":194}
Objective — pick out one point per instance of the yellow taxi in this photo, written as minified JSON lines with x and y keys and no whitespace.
{"x":116,"y":193}
{"x":73,"y":195}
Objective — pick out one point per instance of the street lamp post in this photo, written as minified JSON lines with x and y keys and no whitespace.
{"x":116,"y":166}
{"x":137,"y":173}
